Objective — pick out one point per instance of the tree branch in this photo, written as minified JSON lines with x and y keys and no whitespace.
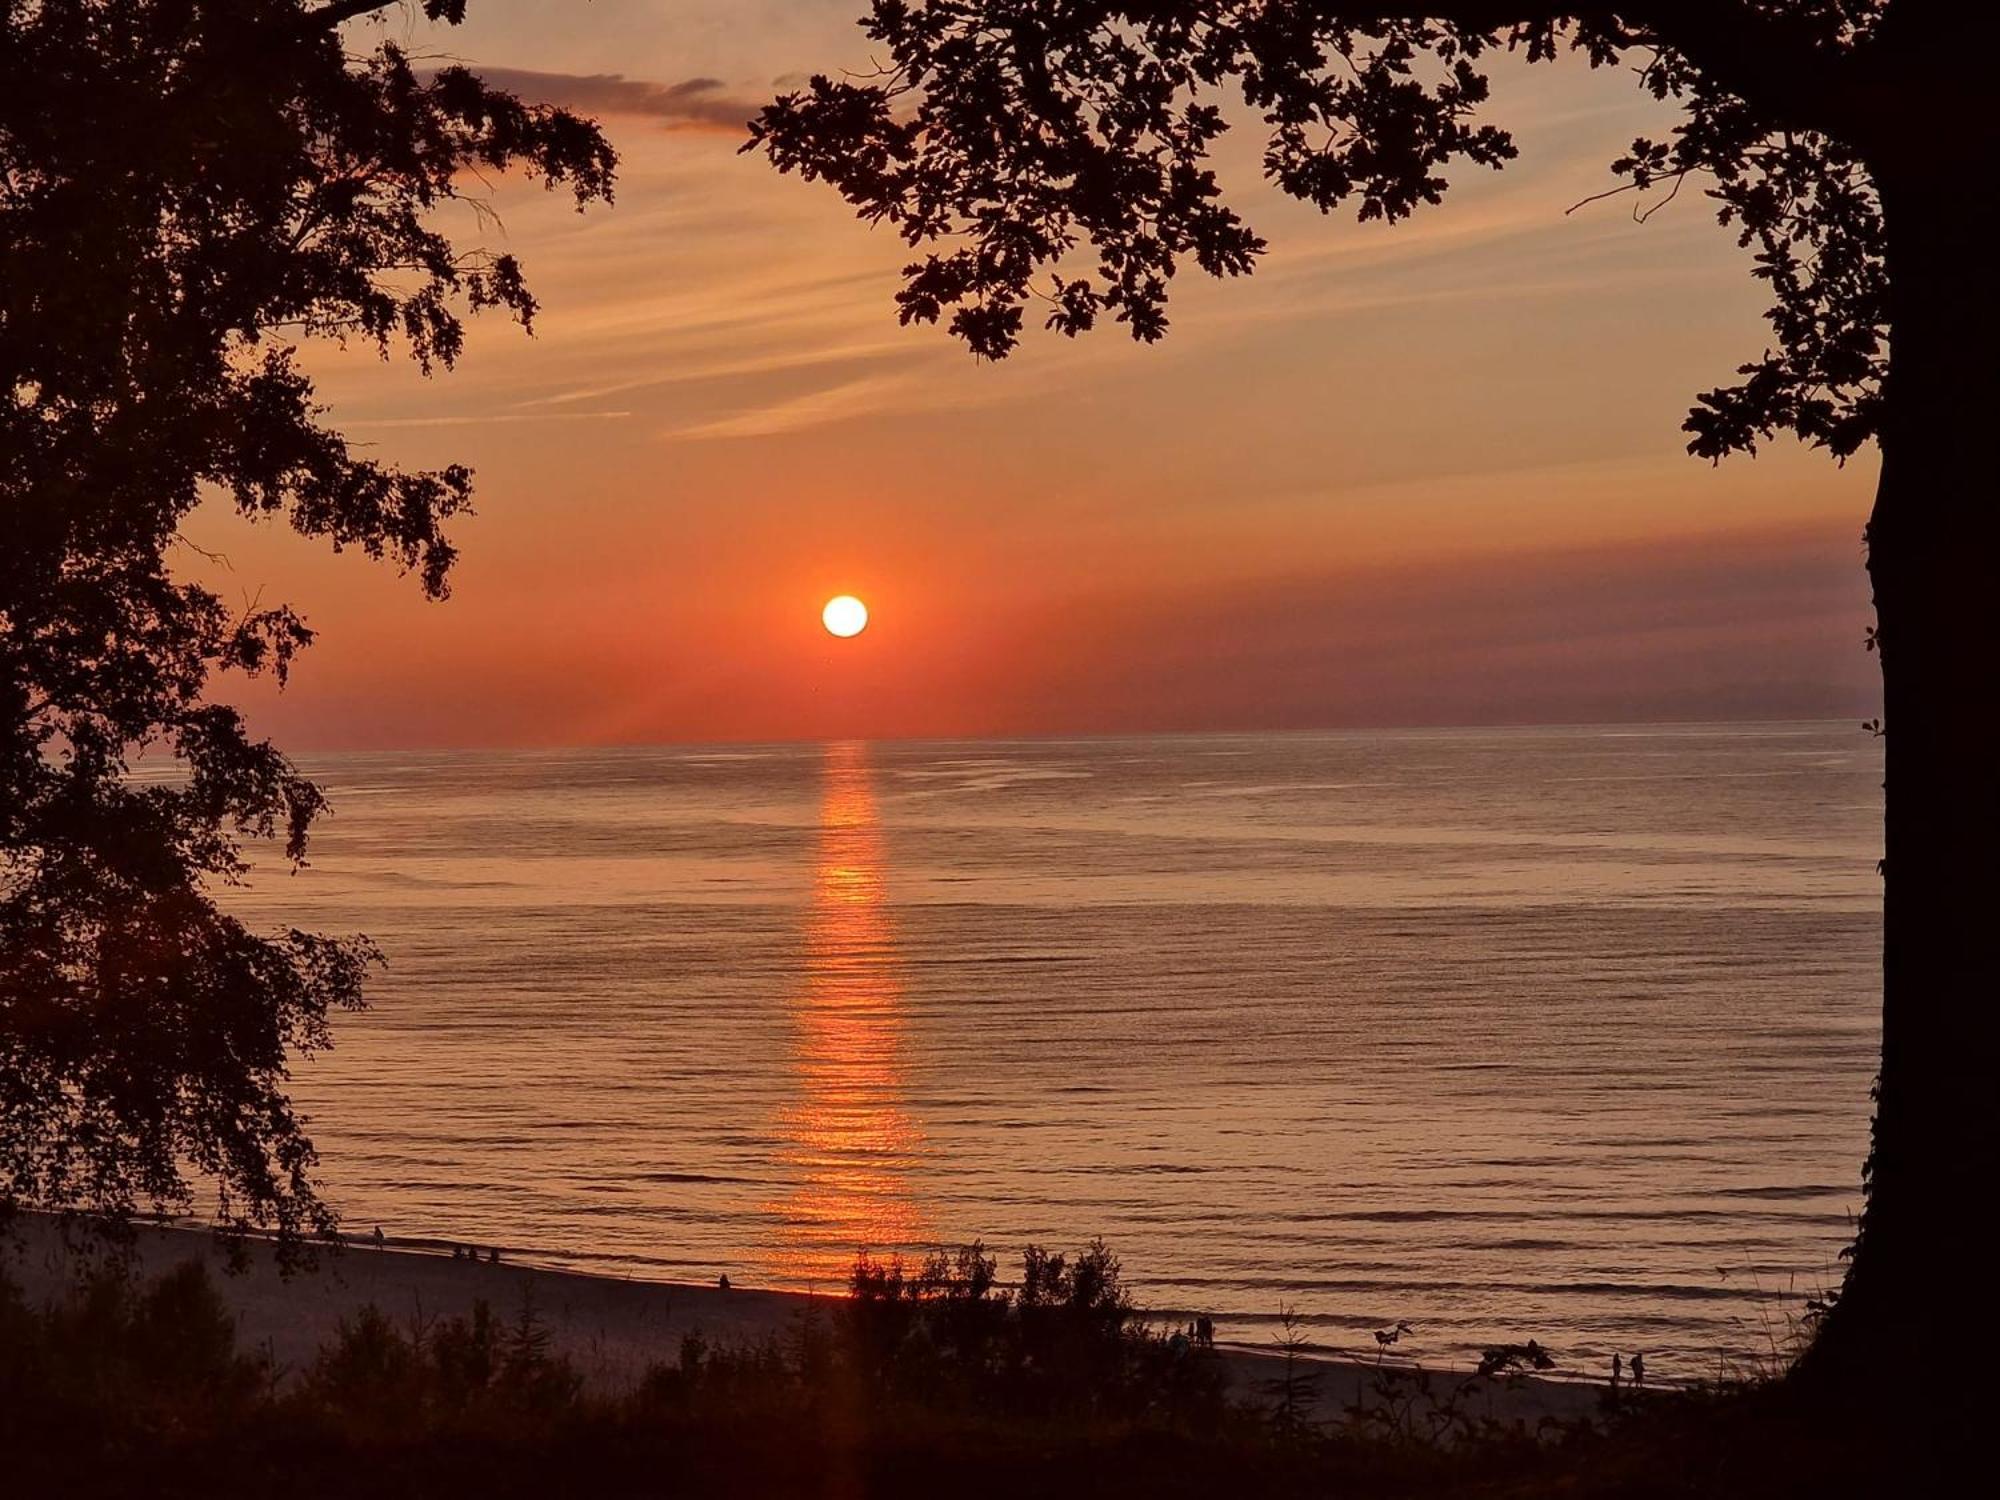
{"x":339,"y":12}
{"x":1768,"y":60}
{"x":1771,"y":62}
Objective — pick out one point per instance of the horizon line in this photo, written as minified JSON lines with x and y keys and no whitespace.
{"x":1079,"y":736}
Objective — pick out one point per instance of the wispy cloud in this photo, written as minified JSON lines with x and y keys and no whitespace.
{"x":693,"y":103}
{"x":855,"y":398}
{"x":722,"y":368}
{"x":492,"y":419}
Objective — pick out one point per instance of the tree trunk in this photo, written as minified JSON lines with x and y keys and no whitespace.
{"x":1915,"y":1311}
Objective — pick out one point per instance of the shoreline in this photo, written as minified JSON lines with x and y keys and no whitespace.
{"x":612,"y":1329}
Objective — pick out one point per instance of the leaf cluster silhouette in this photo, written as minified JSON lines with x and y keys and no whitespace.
{"x":188,"y":190}
{"x":1025,"y":136}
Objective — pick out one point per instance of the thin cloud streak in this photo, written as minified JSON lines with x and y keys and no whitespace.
{"x":764,"y":364}
{"x":691,"y":104}
{"x":868,"y":396}
{"x":495,"y":419}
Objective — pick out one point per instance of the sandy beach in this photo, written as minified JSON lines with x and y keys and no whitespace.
{"x":612,"y":1330}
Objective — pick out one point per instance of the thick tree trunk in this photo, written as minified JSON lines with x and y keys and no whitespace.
{"x":1915,"y":1312}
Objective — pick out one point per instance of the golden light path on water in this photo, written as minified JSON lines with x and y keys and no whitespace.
{"x":849,"y":1136}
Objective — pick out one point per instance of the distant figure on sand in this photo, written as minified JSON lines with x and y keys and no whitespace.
{"x":723,"y":1281}
{"x":1617,"y":1369}
{"x":492,"y":1256}
{"x":1204,"y":1331}
{"x":379,"y":1238}
{"x":1638,"y":1371}
{"x":458,"y":1252}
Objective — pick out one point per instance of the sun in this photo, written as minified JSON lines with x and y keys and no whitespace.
{"x":845,"y":615}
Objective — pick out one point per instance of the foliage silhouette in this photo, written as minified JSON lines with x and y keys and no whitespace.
{"x":188,"y":188}
{"x":126,"y":1388}
{"x":1292,"y":1393}
{"x":1060,"y":150}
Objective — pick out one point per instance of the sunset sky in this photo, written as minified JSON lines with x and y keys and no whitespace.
{"x":1423,"y":474}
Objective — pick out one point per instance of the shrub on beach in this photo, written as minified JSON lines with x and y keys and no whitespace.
{"x":455,"y":1373}
{"x":161,"y":1355}
{"x":121,"y":1360}
{"x":942,"y":1339}
{"x":930,"y":1377}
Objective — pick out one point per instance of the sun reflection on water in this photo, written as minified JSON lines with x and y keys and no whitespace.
{"x":849,"y":1138}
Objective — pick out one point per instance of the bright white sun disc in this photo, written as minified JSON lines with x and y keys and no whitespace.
{"x":845,"y":615}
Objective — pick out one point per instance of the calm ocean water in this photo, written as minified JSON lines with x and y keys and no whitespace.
{"x":1562,"y":1033}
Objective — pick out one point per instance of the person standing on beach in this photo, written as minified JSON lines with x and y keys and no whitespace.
{"x":1638,"y":1371}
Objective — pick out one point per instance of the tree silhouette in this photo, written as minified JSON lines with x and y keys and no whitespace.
{"x":187,"y":187}
{"x":1059,"y":150}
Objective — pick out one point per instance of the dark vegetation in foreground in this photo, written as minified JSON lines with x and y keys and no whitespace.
{"x":932,"y":1380}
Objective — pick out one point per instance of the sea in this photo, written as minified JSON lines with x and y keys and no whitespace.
{"x":1551,"y":1033}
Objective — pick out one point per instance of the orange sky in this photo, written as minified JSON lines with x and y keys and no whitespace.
{"x":1428,"y":473}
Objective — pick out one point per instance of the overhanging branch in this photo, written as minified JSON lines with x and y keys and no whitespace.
{"x":1779,"y":65}
{"x":340,"y":12}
